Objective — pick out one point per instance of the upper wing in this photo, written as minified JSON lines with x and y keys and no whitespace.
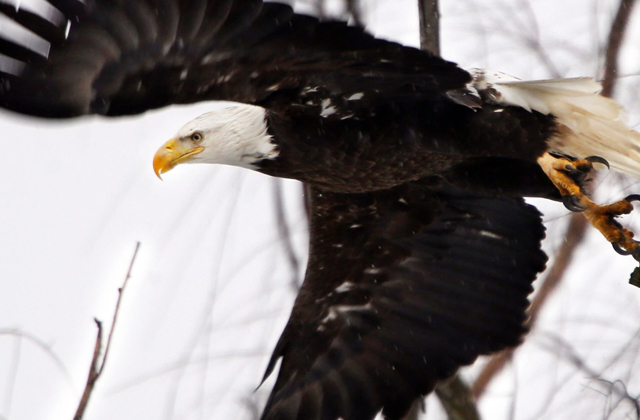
{"x":403,"y":287}
{"x":117,"y":57}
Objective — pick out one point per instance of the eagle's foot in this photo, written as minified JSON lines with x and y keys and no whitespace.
{"x":603,"y":219}
{"x":569,"y":175}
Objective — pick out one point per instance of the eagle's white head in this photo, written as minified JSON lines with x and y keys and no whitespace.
{"x":231,"y":136}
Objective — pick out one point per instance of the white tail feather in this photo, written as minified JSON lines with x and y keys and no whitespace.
{"x":590,"y":124}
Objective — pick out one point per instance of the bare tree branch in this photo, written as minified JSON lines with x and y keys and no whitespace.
{"x":429,"y":26}
{"x":97,"y":366}
{"x":568,"y":353}
{"x":577,"y":224}
{"x":93,"y":375}
{"x":117,"y":310}
{"x":616,"y":35}
{"x":457,"y":400}
{"x":13,"y":374}
{"x":42,"y":345}
{"x":353,"y":8}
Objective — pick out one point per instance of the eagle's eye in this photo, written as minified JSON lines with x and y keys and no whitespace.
{"x":196,"y":137}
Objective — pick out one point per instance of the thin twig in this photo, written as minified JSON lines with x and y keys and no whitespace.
{"x":93,"y":375}
{"x":567,"y":352}
{"x":13,"y":375}
{"x":577,"y":224}
{"x":43,"y":346}
{"x":285,"y":235}
{"x":115,"y":313}
{"x":97,"y":366}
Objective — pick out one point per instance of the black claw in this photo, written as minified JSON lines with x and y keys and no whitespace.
{"x":633,"y":197}
{"x":572,"y":202}
{"x":598,"y":159}
{"x":620,"y":250}
{"x":559,"y":155}
{"x":572,"y":171}
{"x":635,"y":253}
{"x":575,"y":174}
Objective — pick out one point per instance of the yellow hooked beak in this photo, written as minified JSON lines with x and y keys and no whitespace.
{"x":173,"y":152}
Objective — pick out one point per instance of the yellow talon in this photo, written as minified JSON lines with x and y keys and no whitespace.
{"x":568,"y":176}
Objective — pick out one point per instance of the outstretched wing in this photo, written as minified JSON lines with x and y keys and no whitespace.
{"x":116,"y":57}
{"x":403,"y":287}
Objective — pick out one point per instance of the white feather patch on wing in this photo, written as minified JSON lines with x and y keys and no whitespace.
{"x":590,"y":124}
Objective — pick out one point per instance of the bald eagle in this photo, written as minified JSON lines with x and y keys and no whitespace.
{"x":422,"y":251}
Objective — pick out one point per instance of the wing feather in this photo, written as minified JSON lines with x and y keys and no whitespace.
{"x":424,"y":282}
{"x":116,"y":57}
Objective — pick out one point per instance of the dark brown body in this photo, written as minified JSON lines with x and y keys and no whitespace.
{"x":387,"y":143}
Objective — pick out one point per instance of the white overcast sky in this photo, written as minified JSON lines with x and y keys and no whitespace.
{"x":211,"y":288}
